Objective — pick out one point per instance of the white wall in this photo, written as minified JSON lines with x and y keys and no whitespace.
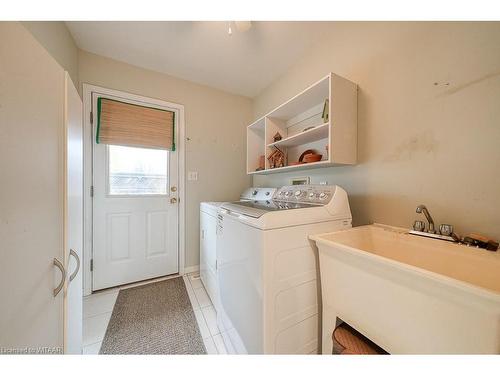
{"x":215,"y":126}
{"x":418,"y":142}
{"x":57,"y":40}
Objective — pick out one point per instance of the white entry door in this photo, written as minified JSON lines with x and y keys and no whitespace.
{"x":135,"y":212}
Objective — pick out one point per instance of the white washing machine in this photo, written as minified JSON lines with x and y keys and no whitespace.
{"x":208,"y":249}
{"x":268,"y":269}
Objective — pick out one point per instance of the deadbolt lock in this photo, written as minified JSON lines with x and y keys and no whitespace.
{"x":173,"y":188}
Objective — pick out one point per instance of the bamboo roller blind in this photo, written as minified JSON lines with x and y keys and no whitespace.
{"x":127,"y":124}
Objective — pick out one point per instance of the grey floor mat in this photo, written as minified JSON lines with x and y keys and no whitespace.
{"x":156,"y":318}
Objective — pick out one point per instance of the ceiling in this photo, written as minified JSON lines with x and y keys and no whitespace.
{"x":203,"y":52}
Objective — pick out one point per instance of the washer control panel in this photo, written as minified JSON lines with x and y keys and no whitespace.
{"x":257,"y":194}
{"x":315,"y":194}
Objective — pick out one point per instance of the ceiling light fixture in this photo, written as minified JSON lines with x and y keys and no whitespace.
{"x":241,"y":26}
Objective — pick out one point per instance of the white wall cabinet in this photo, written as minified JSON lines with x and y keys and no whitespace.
{"x":40,"y":199}
{"x":299,"y":121}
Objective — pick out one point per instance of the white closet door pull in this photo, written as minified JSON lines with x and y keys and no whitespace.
{"x":77,"y":258}
{"x":63,"y":276}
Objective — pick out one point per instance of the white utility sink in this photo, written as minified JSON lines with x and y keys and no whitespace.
{"x":410,"y":294}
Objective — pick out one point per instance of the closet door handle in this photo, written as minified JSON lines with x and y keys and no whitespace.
{"x":77,"y":258}
{"x":63,"y":276}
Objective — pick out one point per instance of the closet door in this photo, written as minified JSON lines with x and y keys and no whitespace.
{"x":31,"y":194}
{"x":73,"y":219}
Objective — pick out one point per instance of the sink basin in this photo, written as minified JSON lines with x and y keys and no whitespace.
{"x":410,"y":294}
{"x":476,"y":267}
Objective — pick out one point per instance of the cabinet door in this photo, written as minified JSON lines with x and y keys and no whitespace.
{"x":74,"y":220}
{"x":31,"y":193}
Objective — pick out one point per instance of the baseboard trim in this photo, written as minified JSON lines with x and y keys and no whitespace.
{"x":191,"y":269}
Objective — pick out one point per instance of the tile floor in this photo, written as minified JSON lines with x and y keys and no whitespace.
{"x":205,"y":315}
{"x":97,"y":309}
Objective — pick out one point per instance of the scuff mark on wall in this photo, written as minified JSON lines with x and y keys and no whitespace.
{"x":416,"y":145}
{"x":468,"y":84}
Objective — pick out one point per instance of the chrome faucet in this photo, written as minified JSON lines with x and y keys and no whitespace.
{"x":421,"y":208}
{"x":445,"y":230}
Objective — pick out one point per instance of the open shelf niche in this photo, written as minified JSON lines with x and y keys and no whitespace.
{"x":301,"y":124}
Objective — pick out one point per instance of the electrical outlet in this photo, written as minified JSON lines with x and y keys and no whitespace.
{"x":192,"y":176}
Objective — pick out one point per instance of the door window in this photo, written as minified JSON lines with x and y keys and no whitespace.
{"x":137,"y":171}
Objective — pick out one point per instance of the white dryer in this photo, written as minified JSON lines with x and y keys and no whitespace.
{"x":268,"y":268}
{"x":208,"y":228}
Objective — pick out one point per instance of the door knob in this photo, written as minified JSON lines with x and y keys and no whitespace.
{"x":173,"y":188}
{"x":173,"y":200}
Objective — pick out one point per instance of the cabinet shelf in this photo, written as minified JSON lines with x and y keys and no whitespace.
{"x":302,"y":111}
{"x":307,"y":136}
{"x":290,"y":168}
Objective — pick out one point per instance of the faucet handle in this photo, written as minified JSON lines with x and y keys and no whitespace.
{"x":446,"y":229}
{"x":419,"y":225}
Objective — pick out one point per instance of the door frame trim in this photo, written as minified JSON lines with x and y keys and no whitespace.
{"x":88,"y":89}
